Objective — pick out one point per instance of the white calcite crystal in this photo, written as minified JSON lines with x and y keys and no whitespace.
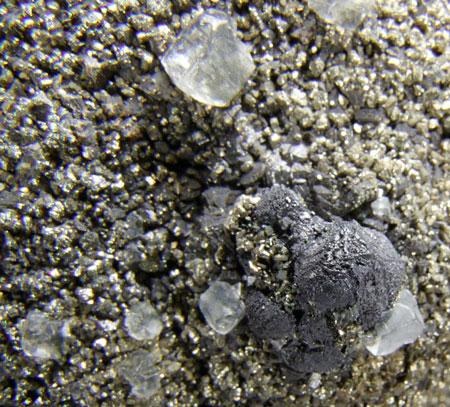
{"x":381,"y":207}
{"x":43,"y":337}
{"x":143,"y":322}
{"x":403,"y":326}
{"x":141,"y":371}
{"x":345,"y":13}
{"x":208,"y":62}
{"x":222,"y":307}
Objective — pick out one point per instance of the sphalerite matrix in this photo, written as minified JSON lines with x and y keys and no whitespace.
{"x":339,"y":282}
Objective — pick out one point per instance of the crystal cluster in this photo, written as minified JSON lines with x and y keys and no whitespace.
{"x":140,"y":370}
{"x":222,"y":307}
{"x":339,"y":275}
{"x":208,"y":62}
{"x":346,"y":13}
{"x":404,"y":324}
{"x":42,"y":337}
{"x":143,"y":321}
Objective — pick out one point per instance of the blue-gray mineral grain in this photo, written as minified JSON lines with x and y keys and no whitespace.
{"x":222,"y":307}
{"x":403,"y":325}
{"x":341,"y":274}
{"x":345,"y":13}
{"x":208,"y":61}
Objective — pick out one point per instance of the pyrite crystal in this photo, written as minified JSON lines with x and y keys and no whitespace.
{"x":208,"y":62}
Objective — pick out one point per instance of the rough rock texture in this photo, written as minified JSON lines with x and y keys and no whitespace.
{"x":106,"y":175}
{"x":337,"y":266}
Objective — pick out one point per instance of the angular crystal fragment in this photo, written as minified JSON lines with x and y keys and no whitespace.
{"x":208,"y":62}
{"x":221,"y":306}
{"x":403,"y":326}
{"x":140,"y":371}
{"x":42,"y":338}
{"x":346,"y":13}
{"x":143,"y":321}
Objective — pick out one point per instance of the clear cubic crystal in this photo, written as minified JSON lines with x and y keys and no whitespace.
{"x":346,"y":13}
{"x":222,"y":306}
{"x":208,"y":62}
{"x":403,"y":326}
{"x":140,"y":370}
{"x":381,"y":207}
{"x":42,"y":338}
{"x":143,"y":321}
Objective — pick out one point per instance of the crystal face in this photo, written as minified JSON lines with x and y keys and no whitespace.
{"x":143,"y":321}
{"x":42,"y":338}
{"x":403,"y":326}
{"x":221,"y":306}
{"x":140,"y":371}
{"x":208,"y":62}
{"x":346,"y":13}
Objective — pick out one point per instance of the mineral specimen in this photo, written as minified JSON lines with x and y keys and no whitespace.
{"x":208,"y":62}
{"x":404,"y":325}
{"x":140,"y":370}
{"x":143,"y":321}
{"x":341,"y":274}
{"x":346,"y":13}
{"x":222,"y":306}
{"x":42,"y":338}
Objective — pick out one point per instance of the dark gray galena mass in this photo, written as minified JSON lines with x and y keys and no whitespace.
{"x":341,"y":275}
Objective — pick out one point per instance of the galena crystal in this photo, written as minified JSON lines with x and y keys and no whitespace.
{"x":42,"y":338}
{"x":140,"y":370}
{"x":403,"y":326}
{"x":222,"y":307}
{"x":143,"y":321}
{"x":208,"y":62}
{"x":345,"y":13}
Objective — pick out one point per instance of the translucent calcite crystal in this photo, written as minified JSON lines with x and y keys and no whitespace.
{"x":208,"y":62}
{"x":43,"y":337}
{"x":140,"y":370}
{"x":222,"y":306}
{"x":346,"y":13}
{"x":143,"y":321}
{"x":403,"y":326}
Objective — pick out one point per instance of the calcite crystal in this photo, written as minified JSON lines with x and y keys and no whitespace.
{"x":43,"y":337}
{"x":345,"y":13}
{"x":143,"y":321}
{"x":140,"y":370}
{"x":208,"y":62}
{"x":222,"y":306}
{"x":404,"y":325}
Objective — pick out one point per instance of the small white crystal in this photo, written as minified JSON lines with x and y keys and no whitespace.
{"x":346,"y":13}
{"x":140,"y":371}
{"x":403,"y":326}
{"x":315,"y":380}
{"x":143,"y":321}
{"x":42,"y":338}
{"x":208,"y":62}
{"x":381,"y":207}
{"x":222,"y":307}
